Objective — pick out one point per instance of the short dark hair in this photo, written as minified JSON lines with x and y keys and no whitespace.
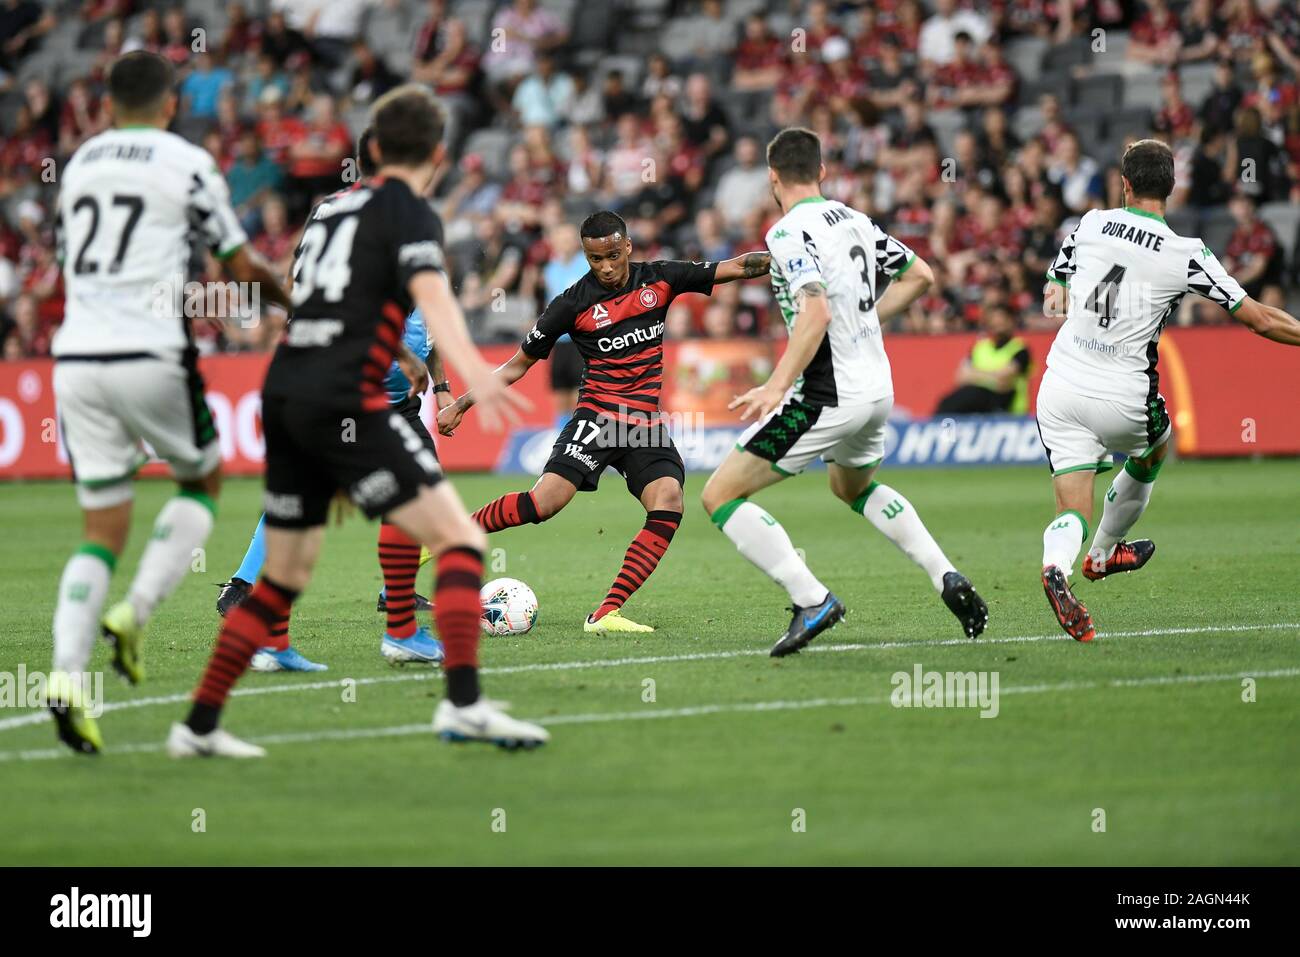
{"x":1148,"y":165}
{"x":796,"y":155}
{"x":601,"y":224}
{"x":365,"y":165}
{"x":407,"y":123}
{"x":138,"y":81}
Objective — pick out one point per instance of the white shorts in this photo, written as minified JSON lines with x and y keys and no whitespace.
{"x":795,"y":433}
{"x":109,"y":409}
{"x":1079,"y":432}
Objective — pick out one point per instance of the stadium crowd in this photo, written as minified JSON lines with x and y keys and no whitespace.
{"x":977,"y":132}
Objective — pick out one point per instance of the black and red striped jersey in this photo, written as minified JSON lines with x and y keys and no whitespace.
{"x":620,"y":332}
{"x":351,"y":271}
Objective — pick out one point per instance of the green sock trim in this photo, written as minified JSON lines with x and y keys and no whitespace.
{"x":724,"y":511}
{"x":1142,"y":473}
{"x":100,"y":552}
{"x":203,"y":498}
{"x":860,"y":503}
{"x":1082,"y":521}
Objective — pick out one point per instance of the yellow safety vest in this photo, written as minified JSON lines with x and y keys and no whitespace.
{"x":987,"y":357}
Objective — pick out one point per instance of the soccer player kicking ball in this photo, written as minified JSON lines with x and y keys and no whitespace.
{"x":830,"y":394}
{"x":1118,"y":279}
{"x":615,"y":316}
{"x":136,"y":202}
{"x":399,"y":556}
{"x":328,"y":425}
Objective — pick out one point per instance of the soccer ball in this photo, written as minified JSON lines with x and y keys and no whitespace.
{"x":509,"y":607}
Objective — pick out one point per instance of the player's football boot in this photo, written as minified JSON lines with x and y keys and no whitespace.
{"x":232,"y":593}
{"x":421,"y":648}
{"x":184,"y":742}
{"x":421,"y":603}
{"x":1074,"y":618}
{"x":1126,"y":557}
{"x":66,"y":701}
{"x":486,"y":720}
{"x":964,"y":602}
{"x":807,"y":624}
{"x":269,"y":659}
{"x":612,"y":621}
{"x":125,"y":634}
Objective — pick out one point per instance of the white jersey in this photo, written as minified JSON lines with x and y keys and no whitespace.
{"x":136,"y":206}
{"x":1126,"y":272}
{"x":821,"y":240}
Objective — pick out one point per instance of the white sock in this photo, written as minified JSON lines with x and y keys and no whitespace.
{"x":1126,"y":500}
{"x":896,"y":519}
{"x":1062,"y":540}
{"x":762,"y":540}
{"x":82,"y":591}
{"x":181,"y":527}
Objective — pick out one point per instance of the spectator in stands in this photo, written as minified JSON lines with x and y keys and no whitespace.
{"x":1155,"y":38}
{"x":1201,"y":32}
{"x":177,"y":40}
{"x":26,"y":339}
{"x":1208,"y":185}
{"x":1255,"y":164}
{"x":253,"y":178}
{"x":744,"y":187}
{"x":1078,"y":176}
{"x":22,"y":24}
{"x":44,"y":109}
{"x":704,"y":121}
{"x":893,"y":82}
{"x":711,"y":35}
{"x":315,"y":157}
{"x":1254,"y":255}
{"x":282,"y":43}
{"x":660,"y":79}
{"x":276,"y":240}
{"x":474,"y":197}
{"x":1284,"y":34}
{"x":758,"y":56}
{"x":526,"y":30}
{"x":937,"y":45}
{"x":370,"y":78}
{"x":616,"y":99}
{"x":995,"y":376}
{"x":543,"y":98}
{"x":203,"y":86}
{"x":81,"y":117}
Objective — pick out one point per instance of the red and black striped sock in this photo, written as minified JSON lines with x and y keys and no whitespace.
{"x":456,"y":611}
{"x":246,"y":628}
{"x":399,"y":557}
{"x":517,"y":508}
{"x":279,"y":634}
{"x":641,"y":559}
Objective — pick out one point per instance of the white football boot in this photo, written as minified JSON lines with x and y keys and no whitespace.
{"x":485,"y":720}
{"x":185,"y":743}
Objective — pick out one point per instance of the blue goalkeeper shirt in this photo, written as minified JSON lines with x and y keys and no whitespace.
{"x":417,"y":340}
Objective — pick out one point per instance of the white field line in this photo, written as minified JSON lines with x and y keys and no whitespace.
{"x":402,"y":730}
{"x":36,"y":717}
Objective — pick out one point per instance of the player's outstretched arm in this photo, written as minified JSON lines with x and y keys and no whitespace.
{"x":744,"y":266}
{"x":814,"y":316}
{"x":246,"y":265}
{"x":1268,"y":321}
{"x":905,"y":289}
{"x":446,"y":323}
{"x":509,"y":372}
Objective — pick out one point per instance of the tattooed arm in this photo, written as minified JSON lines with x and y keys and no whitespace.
{"x":744,"y":266}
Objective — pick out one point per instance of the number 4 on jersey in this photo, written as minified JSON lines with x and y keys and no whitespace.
{"x":1102,"y":300}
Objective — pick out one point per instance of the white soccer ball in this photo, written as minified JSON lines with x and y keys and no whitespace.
{"x":509,"y":607}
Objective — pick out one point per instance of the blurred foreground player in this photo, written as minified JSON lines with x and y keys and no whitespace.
{"x":329,"y":427}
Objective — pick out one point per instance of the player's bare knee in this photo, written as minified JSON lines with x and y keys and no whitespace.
{"x":209,"y":485}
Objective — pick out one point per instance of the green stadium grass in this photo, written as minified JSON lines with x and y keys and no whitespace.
{"x":738,"y":758}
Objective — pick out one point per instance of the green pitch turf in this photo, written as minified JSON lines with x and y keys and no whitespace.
{"x":691,"y":746}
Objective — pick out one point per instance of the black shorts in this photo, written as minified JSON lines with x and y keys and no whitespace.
{"x":567,"y":366}
{"x":589,"y":442}
{"x":380,"y":459}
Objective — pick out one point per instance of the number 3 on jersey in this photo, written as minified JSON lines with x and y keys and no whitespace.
{"x":324,"y":261}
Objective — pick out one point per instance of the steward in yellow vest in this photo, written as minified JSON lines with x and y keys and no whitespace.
{"x":995,"y":376}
